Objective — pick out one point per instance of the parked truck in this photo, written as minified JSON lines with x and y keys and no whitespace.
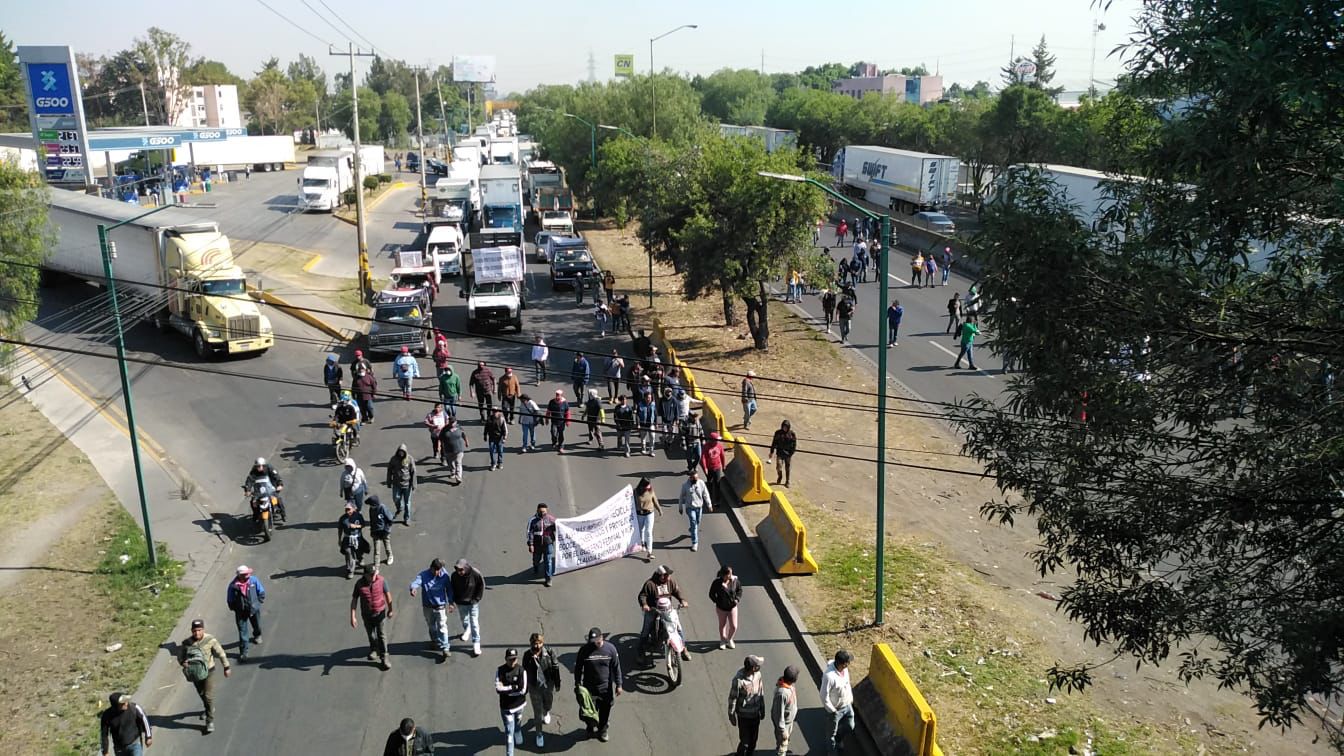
{"x":324,"y":180}
{"x":261,"y":153}
{"x":492,"y":280}
{"x":174,"y":257}
{"x":897,"y":179}
{"x":501,"y":197}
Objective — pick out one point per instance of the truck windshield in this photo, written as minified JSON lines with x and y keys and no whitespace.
{"x":224,"y":286}
{"x":572,"y":255}
{"x":494,"y":287}
{"x":501,"y":217}
{"x":315,"y":183}
{"x":397,"y":312}
{"x":555,"y":215}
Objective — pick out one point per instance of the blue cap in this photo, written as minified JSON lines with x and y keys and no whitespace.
{"x":331,"y":358}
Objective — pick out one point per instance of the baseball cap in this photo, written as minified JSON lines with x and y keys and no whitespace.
{"x":594,"y":633}
{"x":753,"y":661}
{"x":511,"y":654}
{"x":663,"y":570}
{"x":243,"y":570}
{"x":462,"y":564}
{"x":118,"y":699}
{"x":197,"y":623}
{"x":369,"y":569}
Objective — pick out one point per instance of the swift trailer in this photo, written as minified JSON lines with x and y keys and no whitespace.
{"x":261,"y":153}
{"x":492,"y":281}
{"x":897,"y":179}
{"x":174,"y":266}
{"x":501,"y":197}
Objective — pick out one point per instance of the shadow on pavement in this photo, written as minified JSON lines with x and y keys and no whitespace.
{"x":317,"y":454}
{"x":179,"y":721}
{"x":469,"y":741}
{"x":521,"y":577}
{"x":349,"y":657}
{"x":333,"y":571}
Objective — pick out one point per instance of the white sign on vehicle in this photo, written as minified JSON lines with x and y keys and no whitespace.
{"x":599,"y":535}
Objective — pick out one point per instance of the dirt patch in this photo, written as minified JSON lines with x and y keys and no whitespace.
{"x":955,"y":583}
{"x":281,"y":270}
{"x":38,"y":466}
{"x":371,"y":200}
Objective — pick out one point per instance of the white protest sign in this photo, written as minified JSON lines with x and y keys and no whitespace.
{"x":599,"y":535}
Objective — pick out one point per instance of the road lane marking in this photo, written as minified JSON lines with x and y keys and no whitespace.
{"x":954,"y":355}
{"x":902,"y":280}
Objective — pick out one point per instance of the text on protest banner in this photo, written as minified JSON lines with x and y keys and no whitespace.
{"x":598,"y":535}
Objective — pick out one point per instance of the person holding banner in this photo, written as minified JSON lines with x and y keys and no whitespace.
{"x":693,"y":501}
{"x":647,"y":508}
{"x":557,"y":414}
{"x":541,"y":541}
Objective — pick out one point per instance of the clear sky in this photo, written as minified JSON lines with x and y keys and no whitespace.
{"x":965,"y":40}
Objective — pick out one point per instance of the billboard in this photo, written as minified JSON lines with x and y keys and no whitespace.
{"x":56,"y":113}
{"x":625,"y":66}
{"x":479,"y":68}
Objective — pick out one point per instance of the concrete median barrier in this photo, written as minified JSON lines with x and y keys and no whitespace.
{"x":746,"y":474}
{"x":894,"y":710}
{"x":785,"y":538}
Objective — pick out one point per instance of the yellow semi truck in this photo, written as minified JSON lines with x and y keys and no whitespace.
{"x":174,"y":266}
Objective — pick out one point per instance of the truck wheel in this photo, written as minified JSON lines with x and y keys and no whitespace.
{"x":518,"y":325}
{"x":202,"y":346}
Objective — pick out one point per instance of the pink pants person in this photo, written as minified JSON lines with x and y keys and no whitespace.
{"x":727,"y":624}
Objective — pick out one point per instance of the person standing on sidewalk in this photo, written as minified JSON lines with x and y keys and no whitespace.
{"x":748,"y":398}
{"x":726,"y":593}
{"x":968,"y":330}
{"x":828,"y":307}
{"x":509,"y":391}
{"x":436,"y":599}
{"x":123,"y":728}
{"x":557,"y":414}
{"x":529,"y":415}
{"x":483,"y":384}
{"x":380,"y":527}
{"x":711,"y":458}
{"x":453,"y":447}
{"x":197,"y":655}
{"x":332,"y":374}
{"x":746,"y":704}
{"x":692,"y":502}
{"x":374,"y":602}
{"x":612,"y":370}
{"x":408,"y":740}
{"x":541,"y":541}
{"x":597,"y":673}
{"x":844,"y":310}
{"x":401,"y":479}
{"x":543,"y":674}
{"x":894,"y":314}
{"x":245,"y":596}
{"x":468,"y":590}
{"x":405,"y":369}
{"x":540,"y":353}
{"x":450,"y":389}
{"x":784,"y":709}
{"x":837,"y":696}
{"x":512,"y":683}
{"x":953,"y":312}
{"x":623,"y":417}
{"x":580,"y":373}
{"x":496,"y":432}
{"x":647,"y":509}
{"x":783,"y":445}
{"x":365,"y":388}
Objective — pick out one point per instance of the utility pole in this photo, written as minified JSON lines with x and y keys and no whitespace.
{"x":592,"y":67}
{"x":420,"y":137}
{"x":1097,"y":26}
{"x":365,"y":277}
{"x":653,"y":82}
{"x":144,"y":103}
{"x":443,"y":116}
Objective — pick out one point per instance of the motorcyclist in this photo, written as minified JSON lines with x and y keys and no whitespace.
{"x":656,"y":596}
{"x":347,"y":411}
{"x":264,"y":474}
{"x":352,"y":522}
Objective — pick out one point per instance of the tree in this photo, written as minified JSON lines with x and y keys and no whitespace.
{"x":1197,"y":503}
{"x":112,"y":91}
{"x":306,"y":69}
{"x":370,"y":110}
{"x":24,"y":239}
{"x":267,"y":95}
{"x":1045,"y":69}
{"x":301,"y":102}
{"x":738,"y":96}
{"x":165,"y":58}
{"x":13,"y":99}
{"x":1019,"y":126}
{"x":205,"y":72}
{"x":823,"y":76}
{"x":394,"y":116}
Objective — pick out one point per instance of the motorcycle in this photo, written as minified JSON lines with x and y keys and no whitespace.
{"x":353,"y":546}
{"x":342,"y":439}
{"x":666,"y":640}
{"x":266,"y":507}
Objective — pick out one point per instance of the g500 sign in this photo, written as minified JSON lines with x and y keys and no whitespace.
{"x":50,"y":83}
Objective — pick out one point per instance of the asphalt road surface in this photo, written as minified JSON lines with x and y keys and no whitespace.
{"x":309,"y":689}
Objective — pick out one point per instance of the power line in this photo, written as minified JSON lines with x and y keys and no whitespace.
{"x":287,"y":20}
{"x":328,"y":22}
{"x":353,"y":29}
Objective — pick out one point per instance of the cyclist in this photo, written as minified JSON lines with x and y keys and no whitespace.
{"x":346,"y":412}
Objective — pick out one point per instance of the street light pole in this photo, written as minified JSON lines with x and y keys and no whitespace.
{"x":646,"y":145}
{"x":592,"y":138}
{"x":420,"y":137}
{"x":653,"y":89}
{"x":879,"y":599}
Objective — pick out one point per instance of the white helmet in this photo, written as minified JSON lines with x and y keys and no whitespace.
{"x":261,"y":462}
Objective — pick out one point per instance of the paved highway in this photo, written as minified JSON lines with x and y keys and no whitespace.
{"x":309,"y":688}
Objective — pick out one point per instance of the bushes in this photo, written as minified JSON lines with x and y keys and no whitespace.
{"x":349,"y":197}
{"x":384,"y":178}
{"x":370,"y":183}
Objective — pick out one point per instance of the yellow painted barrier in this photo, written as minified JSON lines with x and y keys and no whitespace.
{"x":715,"y":420}
{"x":785,"y":538}
{"x":688,"y":380}
{"x":907,"y":714}
{"x":747,"y":474}
{"x":300,"y":314}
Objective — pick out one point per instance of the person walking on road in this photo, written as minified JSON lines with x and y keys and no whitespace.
{"x":917,"y":270}
{"x":441,"y":355}
{"x":512,"y":684}
{"x":784,"y":709}
{"x":557,"y":414}
{"x":529,"y":415}
{"x":623,"y":416}
{"x":509,"y":391}
{"x":894,"y":314}
{"x":540,"y":353}
{"x":541,"y":542}
{"x":692,"y":440}
{"x":953,"y":312}
{"x":373,"y":601}
{"x":845,"y":311}
{"x":365,"y":388}
{"x":543,"y":675}
{"x":245,"y":596}
{"x":746,"y":704}
{"x":468,"y":590}
{"x":405,"y":369}
{"x":947,"y":264}
{"x":609,"y":283}
{"x":453,"y":447}
{"x":930,"y":270}
{"x":354,"y":486}
{"x":783,"y":445}
{"x":436,"y":599}
{"x":597,"y":677}
{"x":197,"y":655}
{"x":450,"y":389}
{"x":726,"y":593}
{"x":580,"y":373}
{"x":359,"y":365}
{"x":409,"y":739}
{"x":837,"y":696}
{"x":645,"y":416}
{"x":748,"y":398}
{"x":711,"y":459}
{"x":380,"y":527}
{"x":692,"y":502}
{"x":435,"y":420}
{"x":496,"y":432}
{"x":828,"y":307}
{"x":401,"y":479}
{"x":483,"y":384}
{"x":840,"y":230}
{"x":332,"y":374}
{"x":123,"y":728}
{"x":613,"y":370}
{"x":647,"y":509}
{"x":351,"y":524}
{"x":594,"y":415}
{"x":968,"y":330}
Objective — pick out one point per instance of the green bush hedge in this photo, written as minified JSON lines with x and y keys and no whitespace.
{"x":370,"y":182}
{"x":384,"y":178}
{"x":349,"y":197}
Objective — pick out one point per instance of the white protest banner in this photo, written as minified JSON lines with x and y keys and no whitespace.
{"x":599,"y":535}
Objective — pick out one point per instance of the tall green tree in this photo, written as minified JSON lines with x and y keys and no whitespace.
{"x":203,"y":72}
{"x":164,"y":58}
{"x":738,"y":96}
{"x":266,"y":98}
{"x":1174,"y":431}
{"x":13,"y":99}
{"x":24,"y":239}
{"x":1045,"y":69}
{"x":394,"y":116}
{"x":370,"y":111}
{"x":1020,"y":125}
{"x":822,"y":76}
